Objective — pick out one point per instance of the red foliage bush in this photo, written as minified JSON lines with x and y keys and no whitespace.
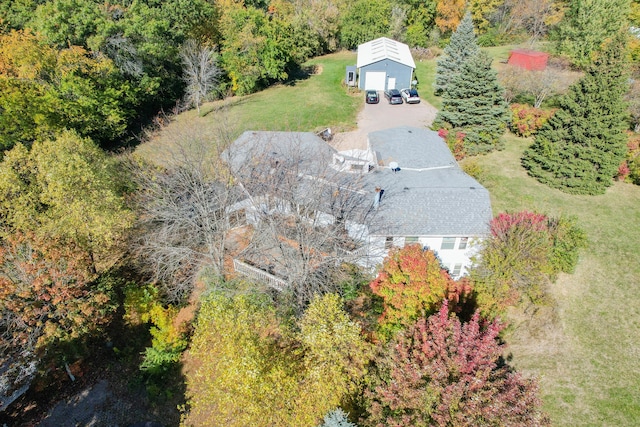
{"x":632,"y":172}
{"x":526,"y":120}
{"x":455,"y":142}
{"x":505,"y":222}
{"x":441,"y":372}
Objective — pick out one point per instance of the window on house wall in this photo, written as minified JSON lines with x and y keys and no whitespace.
{"x":448,"y":243}
{"x":463,"y":243}
{"x":388,"y":243}
{"x":411,"y":240}
{"x":457,"y":268}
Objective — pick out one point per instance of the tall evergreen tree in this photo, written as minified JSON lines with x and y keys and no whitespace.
{"x":581,"y":147}
{"x":462,"y":46}
{"x":587,"y":23}
{"x":473,"y":104}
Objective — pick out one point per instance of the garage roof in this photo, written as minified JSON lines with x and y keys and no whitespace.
{"x":384,"y":48}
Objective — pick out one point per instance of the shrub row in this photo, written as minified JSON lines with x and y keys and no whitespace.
{"x":526,"y":120}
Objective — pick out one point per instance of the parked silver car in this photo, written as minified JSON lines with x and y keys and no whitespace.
{"x":393,"y":96}
{"x":410,"y":96}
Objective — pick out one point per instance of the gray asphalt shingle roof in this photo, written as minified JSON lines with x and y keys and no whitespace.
{"x":411,"y":147}
{"x":429,"y":196}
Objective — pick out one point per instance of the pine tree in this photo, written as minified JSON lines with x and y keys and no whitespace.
{"x":581,"y":147}
{"x":337,"y":418}
{"x":463,"y":45}
{"x":473,"y":104}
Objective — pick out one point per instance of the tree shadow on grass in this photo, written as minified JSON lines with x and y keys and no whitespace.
{"x":302,"y":72}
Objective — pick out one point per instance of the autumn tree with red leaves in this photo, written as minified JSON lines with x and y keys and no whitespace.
{"x":412,"y":284}
{"x":48,"y":293}
{"x":441,"y":372}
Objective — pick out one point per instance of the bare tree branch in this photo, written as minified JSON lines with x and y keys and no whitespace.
{"x":200,"y":71}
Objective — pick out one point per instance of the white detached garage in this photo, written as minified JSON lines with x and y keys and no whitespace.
{"x":384,"y":64}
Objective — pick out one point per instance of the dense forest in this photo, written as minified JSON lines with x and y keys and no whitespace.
{"x":111,"y":262}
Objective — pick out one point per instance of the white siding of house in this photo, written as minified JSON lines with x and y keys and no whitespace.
{"x":448,"y":257}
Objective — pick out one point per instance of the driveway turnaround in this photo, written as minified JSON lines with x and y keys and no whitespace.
{"x":374,"y":117}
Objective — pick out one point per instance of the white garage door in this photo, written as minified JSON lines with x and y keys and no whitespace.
{"x":375,"y":80}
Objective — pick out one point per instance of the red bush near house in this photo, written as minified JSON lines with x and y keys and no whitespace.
{"x":455,"y":142}
{"x":442,"y":372}
{"x":527,"y":120}
{"x":504,"y":223}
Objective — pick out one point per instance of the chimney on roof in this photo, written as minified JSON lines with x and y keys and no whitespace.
{"x":378,"y":197}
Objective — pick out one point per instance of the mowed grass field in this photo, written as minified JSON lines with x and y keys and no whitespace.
{"x":586,"y":347}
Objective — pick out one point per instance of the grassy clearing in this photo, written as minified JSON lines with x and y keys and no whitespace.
{"x":310,"y":103}
{"x":587,"y":358}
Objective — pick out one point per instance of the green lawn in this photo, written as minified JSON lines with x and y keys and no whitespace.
{"x":307,"y":104}
{"x":588,"y":357}
{"x":587,"y":354}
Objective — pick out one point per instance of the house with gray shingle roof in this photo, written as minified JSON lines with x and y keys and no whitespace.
{"x":407,"y":178}
{"x":427,"y":198}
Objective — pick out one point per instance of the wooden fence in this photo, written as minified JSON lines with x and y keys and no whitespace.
{"x":258,"y":275}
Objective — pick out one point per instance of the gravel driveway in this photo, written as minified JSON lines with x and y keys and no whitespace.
{"x":380,"y":116}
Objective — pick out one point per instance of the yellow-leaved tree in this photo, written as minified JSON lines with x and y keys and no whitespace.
{"x":65,"y":187}
{"x":449,"y":13}
{"x":252,"y":370}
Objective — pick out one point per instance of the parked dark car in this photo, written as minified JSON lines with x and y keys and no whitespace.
{"x":410,"y":96}
{"x":393,"y":96}
{"x":371,"y":97}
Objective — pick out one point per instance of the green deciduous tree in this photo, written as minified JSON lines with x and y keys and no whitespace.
{"x":581,"y":147}
{"x":444,"y":373}
{"x":524,"y":253}
{"x":66,"y":23}
{"x":587,"y":24}
{"x":419,"y":22}
{"x":461,"y":47}
{"x":482,"y":11}
{"x":257,"y":49}
{"x":473,"y":104}
{"x":63,"y":89}
{"x":320,"y":20}
{"x":364,"y":20}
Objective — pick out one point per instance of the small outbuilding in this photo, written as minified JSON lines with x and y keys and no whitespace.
{"x":350,"y":77}
{"x":528,"y":59}
{"x":384,"y":64}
